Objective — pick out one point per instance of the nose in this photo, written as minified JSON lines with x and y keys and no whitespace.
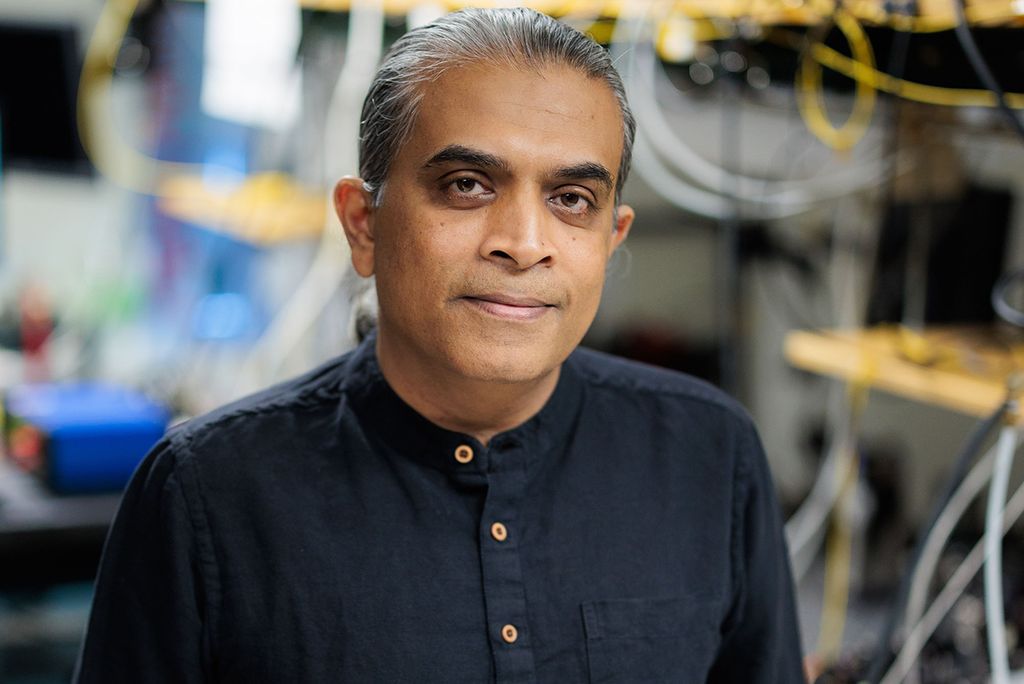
{"x":516,"y":234}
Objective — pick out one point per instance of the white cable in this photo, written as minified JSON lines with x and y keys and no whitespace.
{"x":691,"y":198}
{"x":699,"y":188}
{"x":940,"y":533}
{"x":806,"y":527}
{"x":947,"y":597}
{"x":363,"y":49}
{"x":649,"y":80}
{"x":994,"y":618}
{"x":688,"y":196}
{"x":642,"y":97}
{"x":669,"y":187}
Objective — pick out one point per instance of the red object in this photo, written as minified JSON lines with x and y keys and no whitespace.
{"x":36,"y":326}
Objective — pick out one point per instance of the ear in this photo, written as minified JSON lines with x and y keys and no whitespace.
{"x":623,"y":223}
{"x":354,"y":206}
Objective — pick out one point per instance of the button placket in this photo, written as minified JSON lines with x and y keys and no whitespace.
{"x":504,"y":590}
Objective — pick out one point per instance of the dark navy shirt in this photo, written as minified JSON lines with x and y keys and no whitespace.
{"x":323,"y":531}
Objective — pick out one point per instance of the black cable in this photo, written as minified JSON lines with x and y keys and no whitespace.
{"x":900,"y":47}
{"x":880,"y":303}
{"x":981,"y":68}
{"x":1001,"y":300}
{"x":884,"y":651}
{"x":728,"y":259}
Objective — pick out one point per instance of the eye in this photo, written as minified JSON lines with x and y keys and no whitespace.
{"x":573,"y":202}
{"x":467,"y":186}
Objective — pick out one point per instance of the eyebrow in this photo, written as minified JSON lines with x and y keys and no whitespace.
{"x":587,"y":170}
{"x":468,"y":155}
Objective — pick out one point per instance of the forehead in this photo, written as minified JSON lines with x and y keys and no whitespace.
{"x":531,"y":116}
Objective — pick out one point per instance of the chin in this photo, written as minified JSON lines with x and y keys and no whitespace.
{"x":505,"y":365}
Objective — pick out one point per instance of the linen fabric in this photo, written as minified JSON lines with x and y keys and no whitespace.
{"x":323,"y":531}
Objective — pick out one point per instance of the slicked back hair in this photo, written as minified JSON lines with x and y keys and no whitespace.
{"x":513,"y":37}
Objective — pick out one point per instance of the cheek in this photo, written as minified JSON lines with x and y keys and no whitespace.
{"x":587,"y":265}
{"x":398,"y":240}
{"x":422,"y":253}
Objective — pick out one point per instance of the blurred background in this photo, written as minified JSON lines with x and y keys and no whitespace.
{"x":829,"y":228}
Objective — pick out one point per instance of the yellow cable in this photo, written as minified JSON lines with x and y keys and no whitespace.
{"x":872,"y":11}
{"x":909,"y":90}
{"x":809,"y":90}
{"x":136,"y":171}
{"x":868,"y":11}
{"x":100,"y":139}
{"x":862,"y":70}
{"x":838,"y":548}
{"x":781,"y":12}
{"x":838,"y":554}
{"x":919,"y":92}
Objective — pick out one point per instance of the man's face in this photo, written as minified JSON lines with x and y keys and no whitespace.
{"x":497,"y":222}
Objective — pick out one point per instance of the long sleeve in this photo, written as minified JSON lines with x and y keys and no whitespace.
{"x":150,"y":605}
{"x":762,"y":641}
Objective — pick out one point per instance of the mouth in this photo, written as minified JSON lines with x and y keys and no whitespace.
{"x":509,"y":307}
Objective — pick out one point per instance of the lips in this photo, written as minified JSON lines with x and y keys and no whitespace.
{"x":509,"y":306}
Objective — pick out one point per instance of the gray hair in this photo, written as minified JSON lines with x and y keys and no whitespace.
{"x":515,"y":37}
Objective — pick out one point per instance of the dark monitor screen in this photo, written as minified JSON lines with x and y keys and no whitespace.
{"x":39,"y":71}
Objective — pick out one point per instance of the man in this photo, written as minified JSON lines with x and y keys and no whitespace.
{"x":463,"y":498}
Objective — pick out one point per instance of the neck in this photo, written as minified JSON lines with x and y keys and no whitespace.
{"x":481,"y":408}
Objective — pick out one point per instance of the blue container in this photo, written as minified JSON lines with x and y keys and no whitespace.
{"x":91,"y":436}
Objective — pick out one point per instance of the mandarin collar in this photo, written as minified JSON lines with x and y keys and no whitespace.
{"x":387,"y":418}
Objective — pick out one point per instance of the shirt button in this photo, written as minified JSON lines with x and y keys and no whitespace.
{"x":509,"y":633}
{"x":499,"y":532}
{"x":463,"y":453}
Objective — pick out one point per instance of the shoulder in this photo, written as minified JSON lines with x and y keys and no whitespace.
{"x":248,"y":446}
{"x":648,"y":384}
{"x":262,"y":422}
{"x":309,"y":391}
{"x":683,"y":419}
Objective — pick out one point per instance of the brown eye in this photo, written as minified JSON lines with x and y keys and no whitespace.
{"x":466,"y":191}
{"x":573,"y":203}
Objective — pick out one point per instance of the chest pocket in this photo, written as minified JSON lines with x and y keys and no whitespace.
{"x":651,"y":640}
